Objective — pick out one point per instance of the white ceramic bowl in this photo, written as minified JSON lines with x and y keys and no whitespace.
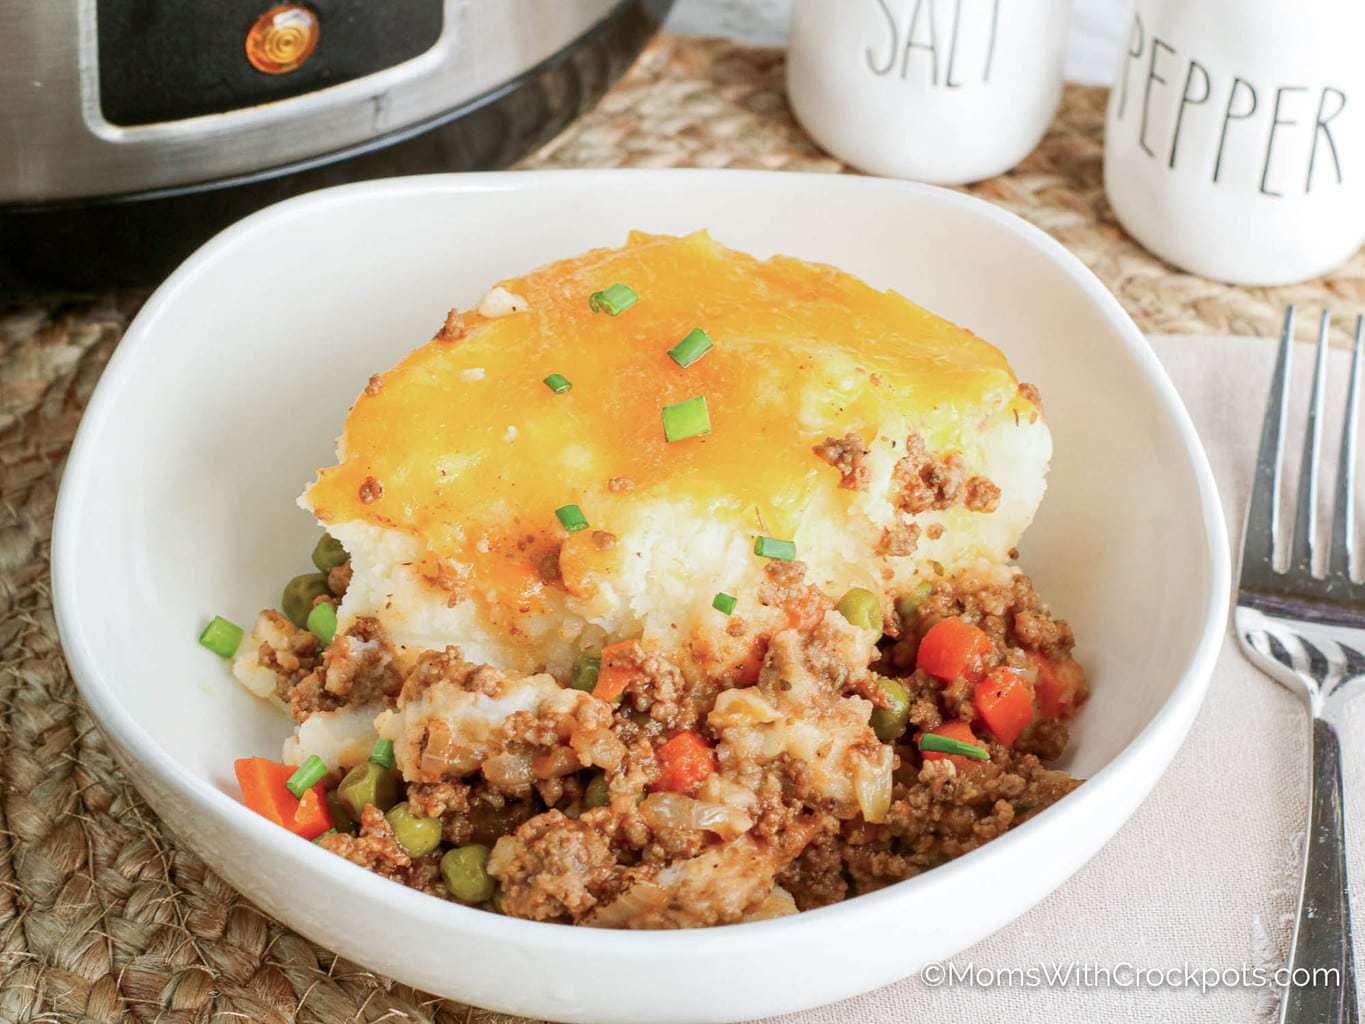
{"x":227,"y":391}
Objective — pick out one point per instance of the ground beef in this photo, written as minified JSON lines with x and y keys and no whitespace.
{"x":801,"y":832}
{"x":872,"y":866}
{"x":449,"y":666}
{"x":956,"y":698}
{"x":1045,"y":737}
{"x":848,"y":455}
{"x":941,"y":813}
{"x":637,"y":771}
{"x":377,"y":849}
{"x":438,"y":799}
{"x":292,"y":654}
{"x":899,"y":539}
{"x":339,"y":579}
{"x":922,"y":481}
{"x":825,"y":653}
{"x":659,"y":690}
{"x":923,"y":691}
{"x":816,"y":878}
{"x":670,"y":844}
{"x":1033,"y":627}
{"x":553,"y":868}
{"x":783,"y":582}
{"x":454,"y":327}
{"x":784,"y":587}
{"x":980,"y":495}
{"x":357,"y":668}
{"x":564,"y":792}
{"x":1005,"y":605}
{"x":371,"y":490}
{"x":948,"y":811}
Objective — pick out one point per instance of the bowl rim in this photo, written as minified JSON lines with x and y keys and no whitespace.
{"x":1148,"y":747}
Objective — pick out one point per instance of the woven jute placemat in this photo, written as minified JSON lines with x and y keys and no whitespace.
{"x":102,"y":917}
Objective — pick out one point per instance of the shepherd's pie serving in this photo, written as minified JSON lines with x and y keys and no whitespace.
{"x":667,"y":588}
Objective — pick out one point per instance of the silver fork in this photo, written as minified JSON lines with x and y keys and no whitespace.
{"x":1308,"y":633}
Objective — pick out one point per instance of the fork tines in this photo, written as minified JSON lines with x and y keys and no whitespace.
{"x":1260,"y":545}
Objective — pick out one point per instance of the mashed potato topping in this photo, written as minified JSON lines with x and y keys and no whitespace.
{"x":447,"y":480}
{"x":670,"y":588}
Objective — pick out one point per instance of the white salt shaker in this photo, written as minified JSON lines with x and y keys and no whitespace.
{"x":944,"y":91}
{"x":1235,"y":145}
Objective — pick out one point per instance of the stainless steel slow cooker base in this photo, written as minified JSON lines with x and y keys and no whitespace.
{"x":136,"y":239}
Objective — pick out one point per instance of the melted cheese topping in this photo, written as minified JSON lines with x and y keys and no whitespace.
{"x":462,"y":446}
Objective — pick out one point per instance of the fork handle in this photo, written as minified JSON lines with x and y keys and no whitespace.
{"x":1322,"y":935}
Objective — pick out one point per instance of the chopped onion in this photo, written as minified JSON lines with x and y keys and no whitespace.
{"x":734,"y":707}
{"x":509,"y":772}
{"x":598,"y":748}
{"x":554,"y":763}
{"x":779,"y":903}
{"x":673,"y":810}
{"x":872,"y":783}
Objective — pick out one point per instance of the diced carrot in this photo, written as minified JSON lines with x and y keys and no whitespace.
{"x":264,"y":791}
{"x":954,"y":730}
{"x":1005,"y":703}
{"x":312,"y":818}
{"x":953,"y":649}
{"x":805,"y":611}
{"x":1060,"y":687}
{"x":746,"y":673}
{"x":684,"y":763}
{"x":616,"y":672}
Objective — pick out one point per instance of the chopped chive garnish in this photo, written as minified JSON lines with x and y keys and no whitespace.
{"x":322,"y":622}
{"x":724,"y":602}
{"x":614,"y":300}
{"x":687,"y":419}
{"x":947,"y":745}
{"x":768,"y":547}
{"x":221,"y":637}
{"x":308,"y":775}
{"x":558,"y":383}
{"x":571,"y":518}
{"x":690,"y":349}
{"x":382,"y":754}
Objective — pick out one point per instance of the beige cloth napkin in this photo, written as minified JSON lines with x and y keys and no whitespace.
{"x":1206,"y":872}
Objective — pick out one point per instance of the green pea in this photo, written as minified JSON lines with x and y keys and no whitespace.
{"x":583,"y":675}
{"x":299,"y":593}
{"x":597,"y":794}
{"x":889,"y":722}
{"x":862,"y":608}
{"x":417,"y":836}
{"x":908,"y":604}
{"x":465,"y":870}
{"x":328,"y":553}
{"x":340,"y":811}
{"x":368,"y":783}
